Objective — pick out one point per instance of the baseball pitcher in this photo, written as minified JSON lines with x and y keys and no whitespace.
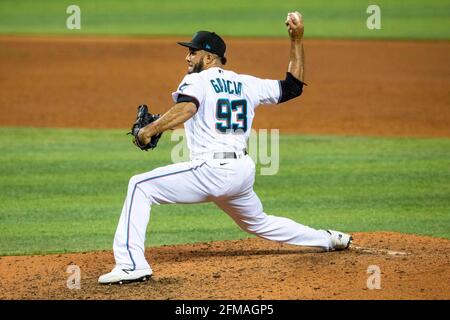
{"x":217,"y":107}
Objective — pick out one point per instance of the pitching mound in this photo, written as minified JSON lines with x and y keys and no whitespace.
{"x":412,"y":267}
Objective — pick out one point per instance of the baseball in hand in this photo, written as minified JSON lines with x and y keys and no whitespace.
{"x":294,"y":17}
{"x":294,"y":22}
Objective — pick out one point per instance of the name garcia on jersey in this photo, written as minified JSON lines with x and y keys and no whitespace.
{"x":221,"y":85}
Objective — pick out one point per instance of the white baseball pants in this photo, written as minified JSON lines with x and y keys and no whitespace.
{"x":227,"y":182}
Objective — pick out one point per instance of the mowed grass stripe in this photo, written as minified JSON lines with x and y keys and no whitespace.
{"x":64,"y":191}
{"x":413,"y":19}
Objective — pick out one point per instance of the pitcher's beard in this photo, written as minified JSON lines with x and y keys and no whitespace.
{"x":197,"y":67}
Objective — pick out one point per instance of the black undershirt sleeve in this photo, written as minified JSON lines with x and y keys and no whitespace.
{"x":186,"y":98}
{"x":290,"y":88}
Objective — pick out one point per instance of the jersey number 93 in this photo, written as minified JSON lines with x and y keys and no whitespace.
{"x":231,"y":115}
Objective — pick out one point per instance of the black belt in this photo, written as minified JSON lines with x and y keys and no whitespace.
{"x":227,"y":155}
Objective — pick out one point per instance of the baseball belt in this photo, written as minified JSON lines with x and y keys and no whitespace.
{"x":227,"y":155}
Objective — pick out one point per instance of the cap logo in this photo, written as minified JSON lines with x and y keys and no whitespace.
{"x":207,"y":46}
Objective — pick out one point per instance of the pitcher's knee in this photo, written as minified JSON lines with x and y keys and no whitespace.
{"x":138,"y":179}
{"x":138,"y":184}
{"x":134,"y":183}
{"x":134,"y":180}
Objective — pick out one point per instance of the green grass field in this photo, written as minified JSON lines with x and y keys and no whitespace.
{"x":64,"y":190}
{"x":61,"y":190}
{"x":400,"y":19}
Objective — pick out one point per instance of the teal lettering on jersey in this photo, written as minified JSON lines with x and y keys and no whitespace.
{"x":238,"y":88}
{"x":217,"y":88}
{"x":222,"y":85}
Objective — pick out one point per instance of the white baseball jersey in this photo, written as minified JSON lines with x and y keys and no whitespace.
{"x":226,"y":107}
{"x":227,"y":103}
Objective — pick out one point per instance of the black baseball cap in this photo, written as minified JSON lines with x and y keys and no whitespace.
{"x":208,"y":41}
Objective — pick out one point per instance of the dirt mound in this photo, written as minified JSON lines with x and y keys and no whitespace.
{"x":412,"y":267}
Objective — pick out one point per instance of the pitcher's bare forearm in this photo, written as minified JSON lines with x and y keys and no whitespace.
{"x":292,"y":86}
{"x":297,"y":59}
{"x":295,"y":27}
{"x":178,"y":114}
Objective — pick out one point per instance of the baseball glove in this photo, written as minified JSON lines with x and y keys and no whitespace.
{"x":144,"y":118}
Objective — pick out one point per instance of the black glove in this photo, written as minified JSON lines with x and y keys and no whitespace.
{"x":143,"y":119}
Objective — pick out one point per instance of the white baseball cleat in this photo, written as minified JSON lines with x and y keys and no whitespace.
{"x":121,"y":274}
{"x":339,"y":240}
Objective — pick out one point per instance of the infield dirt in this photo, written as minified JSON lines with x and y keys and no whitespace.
{"x":412,"y":267}
{"x":354,"y":88}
